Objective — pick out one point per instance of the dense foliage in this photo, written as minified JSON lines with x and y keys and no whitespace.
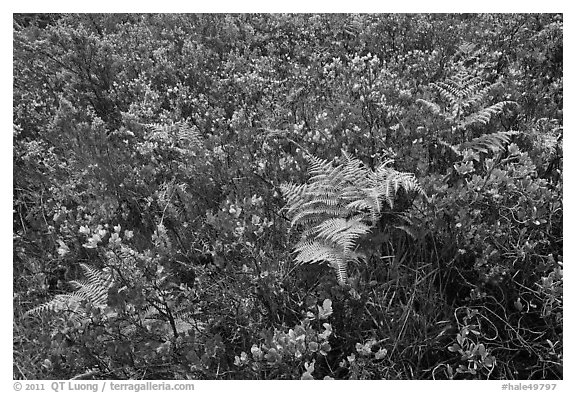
{"x":288,"y":196}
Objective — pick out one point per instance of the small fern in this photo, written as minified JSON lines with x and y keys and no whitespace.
{"x":175,"y":321}
{"x":92,"y":292}
{"x":495,"y":142}
{"x":339,"y":205}
{"x":487,"y":143}
{"x":189,"y":136}
{"x":467,"y":52}
{"x":179,"y":133}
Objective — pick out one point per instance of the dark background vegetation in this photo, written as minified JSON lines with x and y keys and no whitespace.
{"x":153,"y":147}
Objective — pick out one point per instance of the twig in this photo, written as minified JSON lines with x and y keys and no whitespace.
{"x":87,"y":374}
{"x":20,"y":370}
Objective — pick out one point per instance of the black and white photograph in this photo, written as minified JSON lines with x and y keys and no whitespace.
{"x":287,"y":196}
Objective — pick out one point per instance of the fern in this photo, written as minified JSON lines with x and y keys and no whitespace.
{"x":487,"y":143}
{"x":494,"y":143}
{"x":484,"y":115}
{"x":93,"y":293}
{"x":187,"y":138}
{"x":467,"y":50}
{"x":338,"y":206}
{"x":465,"y":96}
{"x":182,"y":318}
{"x":388,"y":182}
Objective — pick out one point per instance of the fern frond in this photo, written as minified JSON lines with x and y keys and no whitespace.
{"x":184,"y":319}
{"x":338,"y":206}
{"x":342,"y":231}
{"x":319,"y":252}
{"x":324,"y":195}
{"x":318,"y":165}
{"x":349,"y":173}
{"x":315,"y":214}
{"x":390,"y":181}
{"x":188,"y":136}
{"x":475,"y":94}
{"x":64,"y":302}
{"x":159,"y":127}
{"x":315,"y":251}
{"x":96,"y":294}
{"x":471,"y":84}
{"x":293,"y":192}
{"x":463,"y":79}
{"x":328,"y":177}
{"x":495,"y":142}
{"x":93,"y":292}
{"x":341,"y":268}
{"x":370,"y":202}
{"x":447,"y":92}
{"x":102,"y":278}
{"x":483,"y":116}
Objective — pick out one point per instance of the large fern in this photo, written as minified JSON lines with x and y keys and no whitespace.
{"x":92,"y":292}
{"x":338,"y":206}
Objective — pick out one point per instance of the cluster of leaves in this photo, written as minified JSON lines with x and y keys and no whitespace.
{"x":286,"y":354}
{"x":161,"y":168}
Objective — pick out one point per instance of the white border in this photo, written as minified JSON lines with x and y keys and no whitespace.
{"x":297,"y":6}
